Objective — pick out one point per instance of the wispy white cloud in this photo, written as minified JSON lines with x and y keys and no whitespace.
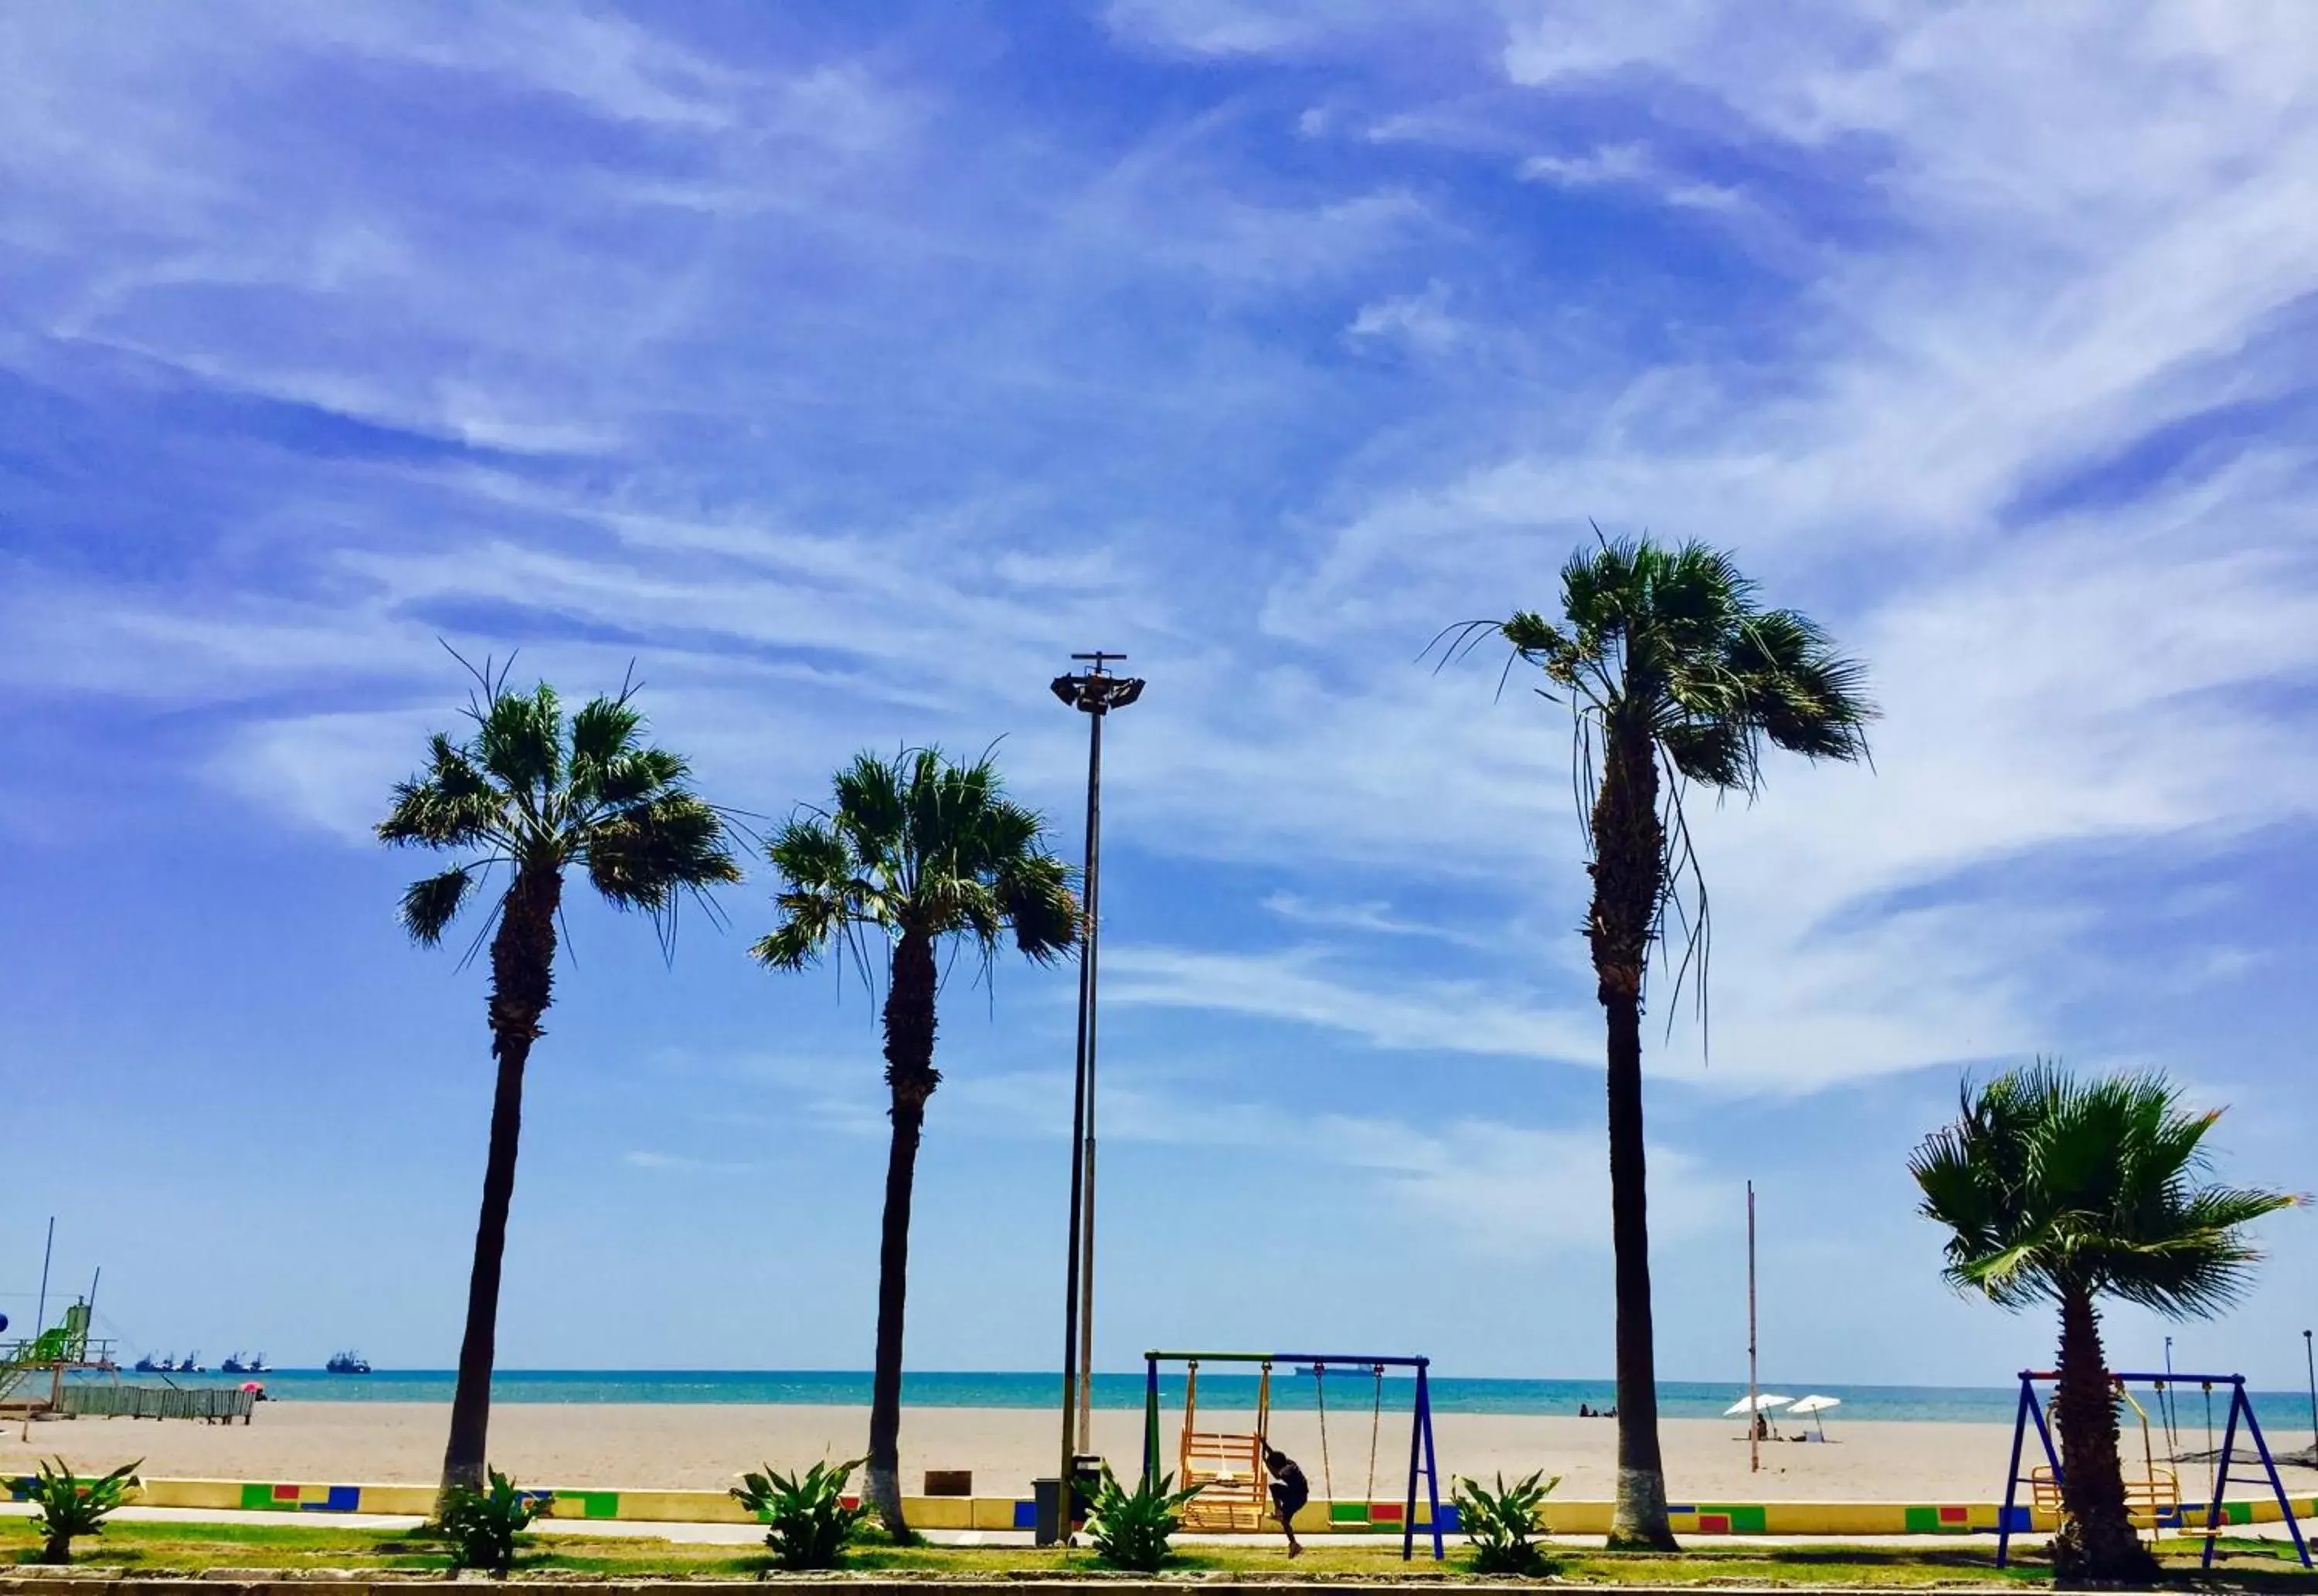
{"x":1373,"y":916}
{"x":1298,"y":985}
{"x":1629,"y":165}
{"x":673,"y":1164}
{"x":1423,"y":321}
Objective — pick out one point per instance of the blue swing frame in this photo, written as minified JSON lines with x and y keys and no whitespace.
{"x":1421,"y":1458}
{"x":2032,"y":1412}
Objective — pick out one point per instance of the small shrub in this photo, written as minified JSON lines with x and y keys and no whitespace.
{"x":1129,"y":1529}
{"x":1502,"y":1524}
{"x":809,"y":1524}
{"x":482,"y":1526}
{"x":71,"y":1507}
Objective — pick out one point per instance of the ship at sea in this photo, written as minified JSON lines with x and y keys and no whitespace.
{"x":347,"y":1363}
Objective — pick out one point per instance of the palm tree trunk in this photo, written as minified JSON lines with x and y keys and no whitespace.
{"x":910,"y":1071}
{"x":523,"y":976}
{"x":2096,"y":1539}
{"x":1628,"y":871}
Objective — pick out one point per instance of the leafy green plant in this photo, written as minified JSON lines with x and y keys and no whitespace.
{"x":70,"y":1507}
{"x":1129,"y":1529}
{"x":810,"y":1522}
{"x":482,"y":1526}
{"x":1502,"y":1524}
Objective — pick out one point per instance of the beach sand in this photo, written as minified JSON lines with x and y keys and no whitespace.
{"x":704,"y":1446}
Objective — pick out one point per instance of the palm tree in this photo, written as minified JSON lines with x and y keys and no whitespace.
{"x":1675,"y":675}
{"x":534,"y":792}
{"x":913,"y":849}
{"x":2065,"y":1191}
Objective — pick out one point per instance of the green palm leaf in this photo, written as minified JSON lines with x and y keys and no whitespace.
{"x":2047,"y":1183}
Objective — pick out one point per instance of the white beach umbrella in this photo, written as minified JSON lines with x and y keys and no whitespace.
{"x":1815,"y":1407}
{"x":1755,"y":1404}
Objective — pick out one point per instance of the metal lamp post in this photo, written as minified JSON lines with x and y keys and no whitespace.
{"x":2310,"y":1366}
{"x":1094,"y":692}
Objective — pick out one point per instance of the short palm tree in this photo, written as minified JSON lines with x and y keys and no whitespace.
{"x":2062,"y":1190}
{"x":913,"y":850}
{"x":1676,"y":675}
{"x":533,"y":793}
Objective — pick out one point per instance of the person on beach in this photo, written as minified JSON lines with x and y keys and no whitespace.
{"x":1289,"y":1492}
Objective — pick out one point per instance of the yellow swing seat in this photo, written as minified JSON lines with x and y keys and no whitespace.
{"x":1228,"y":1466}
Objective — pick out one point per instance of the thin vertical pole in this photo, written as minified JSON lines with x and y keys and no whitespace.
{"x":2312,"y":1367}
{"x":2172,"y":1427}
{"x":2222,"y":1472}
{"x":1754,"y":1398}
{"x":41,"y":1313}
{"x":1150,"y":1423}
{"x":1418,"y":1420}
{"x":1078,"y":1173}
{"x":2012,"y":1483}
{"x":1090,"y":957}
{"x":2270,"y":1467}
{"x":1431,"y":1461}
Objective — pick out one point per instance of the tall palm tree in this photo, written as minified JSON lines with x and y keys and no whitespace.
{"x":533,"y":793}
{"x":2065,"y":1191}
{"x":1675,"y":676}
{"x":913,"y":850}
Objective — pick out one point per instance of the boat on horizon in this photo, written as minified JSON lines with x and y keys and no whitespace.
{"x":347,"y":1363}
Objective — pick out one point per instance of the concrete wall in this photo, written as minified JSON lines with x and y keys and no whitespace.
{"x":1001,"y":1512}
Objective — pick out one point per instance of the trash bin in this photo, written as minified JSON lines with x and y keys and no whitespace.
{"x":1045,"y":1493}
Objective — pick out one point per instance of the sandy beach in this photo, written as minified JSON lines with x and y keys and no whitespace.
{"x":672,"y":1446}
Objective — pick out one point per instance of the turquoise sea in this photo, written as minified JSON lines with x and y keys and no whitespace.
{"x":1451,"y":1394}
{"x":1353,"y":1389}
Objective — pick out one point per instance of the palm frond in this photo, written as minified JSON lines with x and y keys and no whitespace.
{"x":645,"y":856}
{"x":603,"y":731}
{"x":450,"y":804}
{"x":519,"y":740}
{"x":809,"y":923}
{"x":429,"y":906}
{"x":1037,"y":900}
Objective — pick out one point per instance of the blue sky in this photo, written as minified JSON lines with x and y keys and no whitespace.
{"x":846,"y":367}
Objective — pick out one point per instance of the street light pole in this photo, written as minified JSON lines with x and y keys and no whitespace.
{"x":1095,"y":693}
{"x":2311,"y":1365}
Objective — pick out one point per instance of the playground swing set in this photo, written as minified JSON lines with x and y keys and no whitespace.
{"x":1228,"y":1466}
{"x":2153,"y":1500}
